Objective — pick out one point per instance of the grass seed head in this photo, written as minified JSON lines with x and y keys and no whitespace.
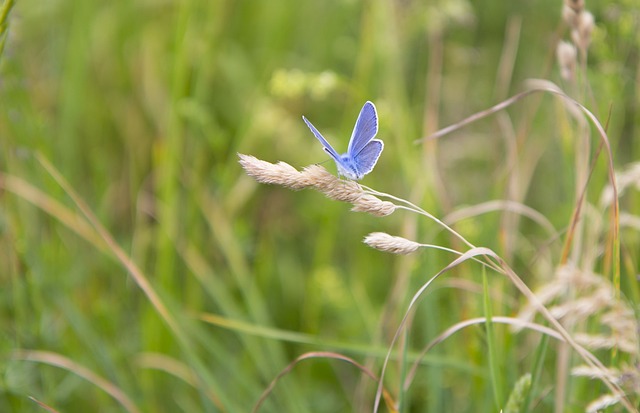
{"x":576,"y":5}
{"x":388,"y":243}
{"x":569,"y":15}
{"x":268,"y":173}
{"x":373,"y":205}
{"x":566,"y":54}
{"x":315,"y":176}
{"x":581,"y":33}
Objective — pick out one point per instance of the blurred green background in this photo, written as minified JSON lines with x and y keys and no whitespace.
{"x":142,"y":106}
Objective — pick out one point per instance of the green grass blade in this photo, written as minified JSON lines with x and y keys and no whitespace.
{"x":538,"y":365}
{"x":497,"y":380}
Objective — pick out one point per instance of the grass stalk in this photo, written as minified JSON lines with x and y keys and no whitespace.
{"x":497,"y":381}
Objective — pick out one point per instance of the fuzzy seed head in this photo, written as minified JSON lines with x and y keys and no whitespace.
{"x":602,"y":403}
{"x":582,"y":31}
{"x":388,"y":243}
{"x":567,"y":58}
{"x":586,"y":23}
{"x":344,"y":191}
{"x":569,"y":15}
{"x":318,"y":177}
{"x":315,"y":176}
{"x":268,"y":173}
{"x":373,"y":205}
{"x":577,"y":5}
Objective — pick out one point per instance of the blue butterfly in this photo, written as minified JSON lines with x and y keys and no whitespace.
{"x":363,"y":151}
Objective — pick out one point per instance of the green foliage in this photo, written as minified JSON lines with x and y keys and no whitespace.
{"x":204,"y":285}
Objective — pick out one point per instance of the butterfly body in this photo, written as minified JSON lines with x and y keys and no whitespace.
{"x":363,"y":151}
{"x":348,"y":167}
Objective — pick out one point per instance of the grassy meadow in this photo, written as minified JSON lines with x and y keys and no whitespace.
{"x":143,"y":268}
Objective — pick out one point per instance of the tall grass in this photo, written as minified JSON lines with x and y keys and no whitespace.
{"x":143,"y":270}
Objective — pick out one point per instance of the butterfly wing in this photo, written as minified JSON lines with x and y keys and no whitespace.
{"x":365,"y":129}
{"x":366,"y":159}
{"x":327,"y":147}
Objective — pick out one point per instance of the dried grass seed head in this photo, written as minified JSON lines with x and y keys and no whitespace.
{"x":628,"y":377}
{"x":373,"y":205}
{"x":388,"y":243}
{"x":570,"y":15}
{"x":581,"y":34}
{"x":577,"y":5}
{"x":595,"y":372}
{"x":567,"y":54}
{"x":602,"y":403}
{"x":594,"y":298}
{"x":317,"y":177}
{"x":351,"y":192}
{"x":630,"y":177}
{"x":344,"y":191}
{"x":600,"y":341}
{"x":276,"y":174}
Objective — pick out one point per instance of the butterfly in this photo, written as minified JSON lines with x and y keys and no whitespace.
{"x":363,"y":151}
